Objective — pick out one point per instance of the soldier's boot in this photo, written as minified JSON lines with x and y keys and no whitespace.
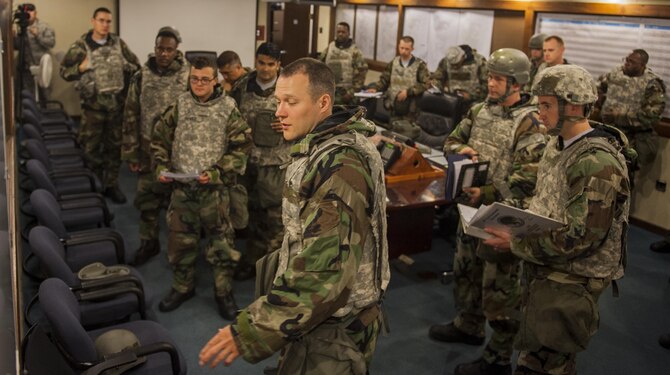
{"x":244,"y":272}
{"x":660,"y":246}
{"x":664,"y":340}
{"x":481,"y":367}
{"x":174,"y":299}
{"x":147,"y":250}
{"x":115,"y":194}
{"x":449,"y":333}
{"x":227,"y":305}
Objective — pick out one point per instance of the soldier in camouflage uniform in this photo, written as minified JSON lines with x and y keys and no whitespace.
{"x":632,"y":98}
{"x":347,"y":63}
{"x":230,"y":67}
{"x":152,"y":89}
{"x":405,"y":79}
{"x":203,"y":134}
{"x":462,"y":72}
{"x":582,"y":181}
{"x":553,"y":49}
{"x":102,"y":65}
{"x":535,"y":44}
{"x":322,"y":309}
{"x":41,"y":39}
{"x":504,"y":130}
{"x":254,"y":94}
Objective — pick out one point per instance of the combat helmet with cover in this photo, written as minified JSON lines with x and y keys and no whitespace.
{"x":537,"y":41}
{"x":569,"y":84}
{"x":512,"y":63}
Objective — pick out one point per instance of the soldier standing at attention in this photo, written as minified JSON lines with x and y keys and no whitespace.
{"x":254,"y":94}
{"x":582,"y":181}
{"x":347,"y":63}
{"x":202,"y":134}
{"x":322,"y":308}
{"x":405,"y":79}
{"x":230,"y":67}
{"x":504,"y":130}
{"x":632,"y":98}
{"x":102,"y":65}
{"x":462,"y":72}
{"x":152,"y":89}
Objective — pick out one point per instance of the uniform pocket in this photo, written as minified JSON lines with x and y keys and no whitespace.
{"x":562,"y":317}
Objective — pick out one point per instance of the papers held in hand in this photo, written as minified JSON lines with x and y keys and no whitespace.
{"x":365,"y":94}
{"x":519,"y":222}
{"x":462,"y":173}
{"x":180,"y":176}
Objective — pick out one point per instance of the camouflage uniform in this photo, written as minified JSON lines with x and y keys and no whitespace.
{"x":634,"y":105}
{"x":102,"y":90}
{"x":471,"y":77}
{"x":586,"y":186}
{"x":264,"y":177}
{"x":347,"y":63}
{"x":333,"y":264}
{"x":487,"y":282}
{"x":149,"y":94}
{"x":233,"y":85}
{"x":415,"y":78}
{"x":194,"y":137}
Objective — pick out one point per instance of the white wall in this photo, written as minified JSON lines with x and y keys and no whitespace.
{"x":210,"y":25}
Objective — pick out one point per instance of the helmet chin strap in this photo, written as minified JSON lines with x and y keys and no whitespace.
{"x":503,"y":97}
{"x":562,"y":117}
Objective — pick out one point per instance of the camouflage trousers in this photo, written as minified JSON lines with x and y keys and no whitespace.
{"x":194,"y":210}
{"x":331,"y":349}
{"x":546,"y":344}
{"x":100,"y":139}
{"x":484,"y":291}
{"x":151,"y":197}
{"x":265,"y":229}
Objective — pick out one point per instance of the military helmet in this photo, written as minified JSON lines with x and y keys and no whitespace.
{"x":571,"y":83}
{"x":510,"y":62}
{"x":455,"y":55}
{"x":537,"y":41}
{"x":115,"y":341}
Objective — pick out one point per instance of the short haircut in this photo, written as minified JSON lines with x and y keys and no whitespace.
{"x":644,"y":56}
{"x":408,"y":39}
{"x":269,"y":49}
{"x":321,"y":78}
{"x":101,"y":10}
{"x":345,"y":25}
{"x":557,"y":38}
{"x":228,"y":58}
{"x":202,"y":62}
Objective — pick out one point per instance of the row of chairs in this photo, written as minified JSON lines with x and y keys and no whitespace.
{"x":94,"y":315}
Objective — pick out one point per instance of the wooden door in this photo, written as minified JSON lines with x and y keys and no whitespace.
{"x":290,"y":30}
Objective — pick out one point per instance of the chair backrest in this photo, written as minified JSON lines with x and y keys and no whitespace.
{"x":51,"y":253}
{"x":32,"y":132}
{"x":26,"y":103}
{"x":190,"y":55}
{"x":38,"y":151}
{"x":40,"y":176}
{"x":29,"y":116}
{"x":443,"y":105}
{"x":48,"y":211}
{"x":62,"y":311}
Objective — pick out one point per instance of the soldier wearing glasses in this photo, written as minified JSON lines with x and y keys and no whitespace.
{"x":202,"y":135}
{"x":152,"y":89}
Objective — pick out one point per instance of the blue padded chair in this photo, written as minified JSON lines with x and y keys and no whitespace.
{"x":50,"y":141}
{"x":60,"y":159}
{"x":101,"y":301}
{"x":90,"y":207}
{"x":77,"y":344}
{"x":107,"y":245}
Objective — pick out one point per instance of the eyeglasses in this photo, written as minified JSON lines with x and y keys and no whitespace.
{"x":204,"y":80}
